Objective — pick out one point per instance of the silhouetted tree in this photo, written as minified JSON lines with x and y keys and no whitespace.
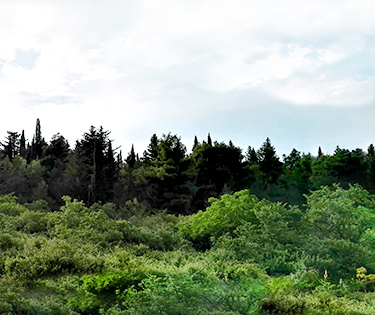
{"x":11,"y":145}
{"x":130,"y":160}
{"x":269,"y":162}
{"x":38,"y":143}
{"x":209,"y":141}
{"x":320,"y":153}
{"x":23,"y":149}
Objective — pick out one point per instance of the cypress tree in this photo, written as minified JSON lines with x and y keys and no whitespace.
{"x":371,"y":150}
{"x":209,"y":141}
{"x":23,"y":151}
{"x":131,"y":158}
{"x":196,"y":143}
{"x":320,"y":153}
{"x":37,"y":143}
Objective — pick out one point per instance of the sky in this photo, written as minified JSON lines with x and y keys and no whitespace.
{"x":300,"y":72}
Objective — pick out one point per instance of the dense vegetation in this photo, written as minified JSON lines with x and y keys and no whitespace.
{"x":166,"y":177}
{"x":242,"y":255}
{"x":212,"y":232}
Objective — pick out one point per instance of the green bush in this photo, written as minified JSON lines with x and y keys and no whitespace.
{"x":50,"y":257}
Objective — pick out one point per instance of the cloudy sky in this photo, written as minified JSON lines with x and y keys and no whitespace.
{"x":298,"y":71}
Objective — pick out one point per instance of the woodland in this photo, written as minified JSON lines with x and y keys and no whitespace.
{"x":214,"y":231}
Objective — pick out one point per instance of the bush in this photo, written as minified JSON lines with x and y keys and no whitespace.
{"x":49,"y":257}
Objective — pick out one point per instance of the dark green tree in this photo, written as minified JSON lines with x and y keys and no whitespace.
{"x":196,"y":143}
{"x":269,"y":162}
{"x":56,"y":152}
{"x":371,"y":150}
{"x":251,"y":156}
{"x":291,"y":160}
{"x":95,"y":166}
{"x":320,"y":152}
{"x":23,"y":149}
{"x":209,"y":141}
{"x":38,"y":143}
{"x":131,"y":159}
{"x":217,"y":168}
{"x":151,"y":152}
{"x":11,"y":145}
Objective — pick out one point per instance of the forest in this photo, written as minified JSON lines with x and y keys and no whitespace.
{"x":165,"y":177}
{"x":215,"y":231}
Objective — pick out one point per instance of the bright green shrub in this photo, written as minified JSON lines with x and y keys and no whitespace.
{"x":276,"y":222}
{"x":49,"y":257}
{"x":339,"y":257}
{"x":223,"y":215}
{"x":339,"y":213}
{"x":76,"y":221}
{"x":182,"y":294}
{"x":11,"y":207}
{"x":32,"y":222}
{"x":111,"y":282}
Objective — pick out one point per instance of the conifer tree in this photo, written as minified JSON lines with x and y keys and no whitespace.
{"x":196,"y":143}
{"x":23,"y":150}
{"x":269,"y":161}
{"x":209,"y":141}
{"x":320,"y":153}
{"x":38,"y":143}
{"x":131,"y":158}
{"x":251,"y":156}
{"x":11,"y":144}
{"x":151,"y":153}
{"x":371,"y":150}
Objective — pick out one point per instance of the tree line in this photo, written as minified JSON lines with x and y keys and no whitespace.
{"x":166,"y":176}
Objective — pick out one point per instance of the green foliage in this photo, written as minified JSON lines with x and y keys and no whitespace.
{"x":111,"y":282}
{"x":223,"y":215}
{"x":340,"y":213}
{"x":9,"y":205}
{"x":182,"y":294}
{"x":275,"y":221}
{"x":263,"y":257}
{"x":43,"y":257}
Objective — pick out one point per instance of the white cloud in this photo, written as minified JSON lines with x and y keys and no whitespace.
{"x":125,"y":63}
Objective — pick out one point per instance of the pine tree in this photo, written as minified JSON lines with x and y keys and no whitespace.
{"x":131,"y":158}
{"x":320,"y":153}
{"x":251,"y":156}
{"x":11,"y":144}
{"x":151,"y":153}
{"x":97,"y":166}
{"x":38,"y":143}
{"x":209,"y":141}
{"x":269,"y":162}
{"x":23,"y":150}
{"x":196,"y":143}
{"x":371,"y":150}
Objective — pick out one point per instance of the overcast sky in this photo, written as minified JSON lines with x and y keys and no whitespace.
{"x":298,"y":71}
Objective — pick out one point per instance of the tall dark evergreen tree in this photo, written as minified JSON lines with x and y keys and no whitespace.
{"x":196,"y":143}
{"x":320,"y":153}
{"x":56,"y":153}
{"x":23,"y":150}
{"x":269,"y":162}
{"x":96,"y":165}
{"x":251,"y":156}
{"x":292,"y":159}
{"x":209,"y":140}
{"x":11,"y":145}
{"x":130,"y":160}
{"x":38,"y":143}
{"x":152,"y":150}
{"x":371,"y":150}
